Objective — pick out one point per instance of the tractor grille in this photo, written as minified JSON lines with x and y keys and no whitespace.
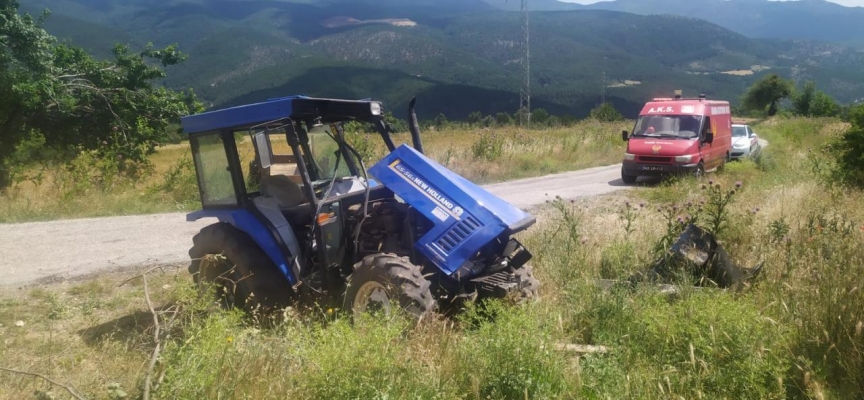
{"x":655,"y":159}
{"x":457,"y":234}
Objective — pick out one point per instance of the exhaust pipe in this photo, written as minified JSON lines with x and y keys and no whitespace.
{"x":414,"y":126}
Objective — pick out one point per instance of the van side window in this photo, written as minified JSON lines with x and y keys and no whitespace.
{"x":706,"y":127}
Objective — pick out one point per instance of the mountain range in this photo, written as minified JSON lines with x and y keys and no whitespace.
{"x":789,"y":20}
{"x":456,"y":56}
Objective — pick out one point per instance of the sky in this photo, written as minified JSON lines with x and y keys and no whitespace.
{"x":848,"y":3}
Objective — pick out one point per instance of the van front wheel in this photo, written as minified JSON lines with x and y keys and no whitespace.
{"x":699,"y":171}
{"x":628,"y":179}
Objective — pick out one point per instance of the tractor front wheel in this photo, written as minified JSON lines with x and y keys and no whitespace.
{"x":244,"y":276}
{"x":382,"y":282}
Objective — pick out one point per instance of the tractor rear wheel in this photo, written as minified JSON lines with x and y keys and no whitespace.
{"x":381,"y":282}
{"x":245,"y":277}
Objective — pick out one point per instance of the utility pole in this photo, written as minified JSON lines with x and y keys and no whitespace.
{"x":603,"y":93}
{"x":525,"y":90}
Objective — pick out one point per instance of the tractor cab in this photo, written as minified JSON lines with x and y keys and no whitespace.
{"x":300,"y":215}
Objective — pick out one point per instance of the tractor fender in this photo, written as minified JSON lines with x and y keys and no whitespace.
{"x":247,"y":222}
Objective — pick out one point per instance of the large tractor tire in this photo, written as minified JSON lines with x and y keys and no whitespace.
{"x":381,"y":282}
{"x":225,"y":257}
{"x":532,"y":290}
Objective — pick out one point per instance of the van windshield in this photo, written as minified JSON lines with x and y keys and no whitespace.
{"x":676,"y":126}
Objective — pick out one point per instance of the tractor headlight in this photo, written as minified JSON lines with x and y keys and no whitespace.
{"x":376,"y":108}
{"x":684,"y":159}
{"x":629,"y":157}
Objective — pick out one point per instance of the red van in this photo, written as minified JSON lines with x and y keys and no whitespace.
{"x":676,"y":135}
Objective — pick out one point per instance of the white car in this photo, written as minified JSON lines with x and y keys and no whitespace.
{"x":744,"y":141}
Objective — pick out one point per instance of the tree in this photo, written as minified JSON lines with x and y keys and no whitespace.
{"x":540,"y":117}
{"x":766,"y":93}
{"x":474,"y":118}
{"x":606,"y":112}
{"x":397,"y":124}
{"x":503,"y":119}
{"x":441,"y":121}
{"x":856,"y":116}
{"x":822,"y":105}
{"x":72,"y":102}
{"x":803,"y":98}
{"x":811,"y":102}
{"x":849,"y":150}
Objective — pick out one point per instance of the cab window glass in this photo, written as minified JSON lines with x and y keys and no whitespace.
{"x":706,"y":127}
{"x":214,"y":174}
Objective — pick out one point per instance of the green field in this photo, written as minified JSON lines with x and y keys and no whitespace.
{"x":80,"y":189}
{"x":794,"y":333}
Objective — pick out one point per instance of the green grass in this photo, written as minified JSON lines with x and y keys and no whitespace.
{"x":74,"y":190}
{"x":796,"y":332}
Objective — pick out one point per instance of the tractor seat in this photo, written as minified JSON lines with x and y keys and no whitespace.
{"x":282,"y":180}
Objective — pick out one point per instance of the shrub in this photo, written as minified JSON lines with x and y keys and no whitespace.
{"x":181,"y":183}
{"x":606,"y":112}
{"x":489,"y":146}
{"x":848,"y":151}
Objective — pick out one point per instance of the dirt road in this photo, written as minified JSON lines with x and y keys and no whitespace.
{"x":44,"y":252}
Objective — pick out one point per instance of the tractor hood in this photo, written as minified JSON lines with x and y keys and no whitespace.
{"x":466,"y":217}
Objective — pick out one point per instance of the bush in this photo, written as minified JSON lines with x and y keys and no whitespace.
{"x":503,"y":119}
{"x":180,"y":182}
{"x":848,"y":151}
{"x":489,"y":147}
{"x":606,"y":112}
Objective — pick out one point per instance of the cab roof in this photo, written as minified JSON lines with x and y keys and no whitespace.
{"x":297,"y":108}
{"x":700,"y":106}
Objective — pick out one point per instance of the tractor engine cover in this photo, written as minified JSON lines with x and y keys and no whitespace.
{"x":466,"y":218}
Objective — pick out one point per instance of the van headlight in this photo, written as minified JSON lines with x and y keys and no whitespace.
{"x":684,"y":159}
{"x":376,"y":108}
{"x":629,"y":157}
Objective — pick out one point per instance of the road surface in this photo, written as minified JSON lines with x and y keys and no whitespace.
{"x":54,"y":251}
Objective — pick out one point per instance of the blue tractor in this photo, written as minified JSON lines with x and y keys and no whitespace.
{"x":305,"y":219}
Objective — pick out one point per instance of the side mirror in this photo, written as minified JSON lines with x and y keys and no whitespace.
{"x":263,"y":150}
{"x":709,"y":137}
{"x":754,"y":136}
{"x":625,"y":135}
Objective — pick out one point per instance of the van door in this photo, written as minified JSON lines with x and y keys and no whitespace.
{"x":706,"y":149}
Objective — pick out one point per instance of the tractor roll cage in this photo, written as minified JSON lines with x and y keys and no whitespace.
{"x":292,"y":113}
{"x":298,"y":108}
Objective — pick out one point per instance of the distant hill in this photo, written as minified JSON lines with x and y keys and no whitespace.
{"x":796,"y":20}
{"x":458,"y":56}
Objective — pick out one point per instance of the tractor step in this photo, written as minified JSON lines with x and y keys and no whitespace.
{"x":499,"y":284}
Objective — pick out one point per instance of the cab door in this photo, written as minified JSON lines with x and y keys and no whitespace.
{"x":707,"y":150}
